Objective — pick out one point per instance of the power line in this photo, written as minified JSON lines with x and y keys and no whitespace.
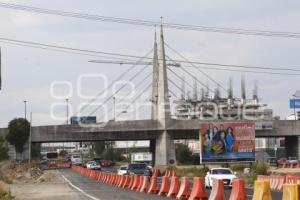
{"x":226,"y":30}
{"x":205,"y":74}
{"x":118,"y":56}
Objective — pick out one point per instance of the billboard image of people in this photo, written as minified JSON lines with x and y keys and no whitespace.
{"x":227,"y":142}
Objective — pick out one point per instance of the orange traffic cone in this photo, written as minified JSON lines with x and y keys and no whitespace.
{"x":238,"y":190}
{"x":184,"y":190}
{"x":165,"y":185}
{"x":198,"y":191}
{"x":217,"y":192}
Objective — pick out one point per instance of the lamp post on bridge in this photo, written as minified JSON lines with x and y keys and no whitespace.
{"x":25,"y":109}
{"x":67,"y":110}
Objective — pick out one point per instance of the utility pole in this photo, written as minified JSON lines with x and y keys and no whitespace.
{"x":114,"y":99}
{"x":25,"y":109}
{"x":67,"y":110}
{"x":30,"y":133}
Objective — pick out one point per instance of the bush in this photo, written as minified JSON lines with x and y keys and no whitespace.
{"x":257,"y":169}
{"x":239,"y":167}
{"x":3,"y":149}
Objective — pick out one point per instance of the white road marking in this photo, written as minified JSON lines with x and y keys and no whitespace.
{"x":78,"y":189}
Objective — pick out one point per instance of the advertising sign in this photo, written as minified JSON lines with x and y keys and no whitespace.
{"x":294,"y":103}
{"x":227,"y":142}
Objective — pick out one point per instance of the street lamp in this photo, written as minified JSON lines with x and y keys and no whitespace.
{"x":25,"y":109}
{"x":114,"y":101}
{"x":67,"y":110}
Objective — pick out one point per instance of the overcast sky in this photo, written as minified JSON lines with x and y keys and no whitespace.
{"x":28,"y":73}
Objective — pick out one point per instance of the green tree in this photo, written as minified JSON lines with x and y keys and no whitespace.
{"x":35,"y":151}
{"x":183,"y":154}
{"x":3,"y":149}
{"x":63,"y":153}
{"x":18,"y":133}
{"x":99,"y":147}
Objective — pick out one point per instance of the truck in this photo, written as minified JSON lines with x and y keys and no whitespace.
{"x":76,"y":159}
{"x":141,"y":157}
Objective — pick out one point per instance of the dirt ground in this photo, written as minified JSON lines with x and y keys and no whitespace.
{"x":56,"y":189}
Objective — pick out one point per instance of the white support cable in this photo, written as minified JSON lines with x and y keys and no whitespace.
{"x":111,"y":96}
{"x":111,"y":84}
{"x":138,"y":84}
{"x":137,"y":97}
{"x":208,"y":76}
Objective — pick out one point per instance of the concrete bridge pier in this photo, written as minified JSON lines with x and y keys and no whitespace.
{"x":292,"y":146}
{"x":165,"y":150}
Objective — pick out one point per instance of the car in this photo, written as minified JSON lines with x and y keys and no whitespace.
{"x":93,"y":165}
{"x":123,"y":170}
{"x":106,"y":163}
{"x":282,"y":161}
{"x":226,"y":174}
{"x":139,"y":169}
{"x":76,"y":159}
{"x":272,"y":161}
{"x":292,"y":160}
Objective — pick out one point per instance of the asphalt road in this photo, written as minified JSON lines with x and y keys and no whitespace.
{"x":98,"y":191}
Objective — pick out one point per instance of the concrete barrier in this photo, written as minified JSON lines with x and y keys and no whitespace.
{"x":262,"y":190}
{"x":291,"y":192}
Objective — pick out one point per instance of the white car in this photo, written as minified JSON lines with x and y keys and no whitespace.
{"x":226,"y":174}
{"x":123,"y":170}
{"x":93,"y":165}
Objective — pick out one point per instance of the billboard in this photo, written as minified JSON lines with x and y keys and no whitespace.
{"x":294,"y":103}
{"x":227,"y":142}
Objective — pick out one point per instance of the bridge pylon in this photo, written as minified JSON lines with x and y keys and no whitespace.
{"x":164,"y":148}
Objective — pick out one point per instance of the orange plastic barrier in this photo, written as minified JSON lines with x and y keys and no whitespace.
{"x":127,"y":181}
{"x":174,"y":187}
{"x":122,"y":181}
{"x":140,"y":183}
{"x":291,"y":179}
{"x":276,"y":182}
{"x":165,"y":186}
{"x":217,"y":192}
{"x":173,"y":173}
{"x":184,"y":190}
{"x":145,"y":184}
{"x":136,"y":182}
{"x":153,"y":188}
{"x":198,"y":191}
{"x":131,"y":181}
{"x":155,"y":172}
{"x":238,"y":191}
